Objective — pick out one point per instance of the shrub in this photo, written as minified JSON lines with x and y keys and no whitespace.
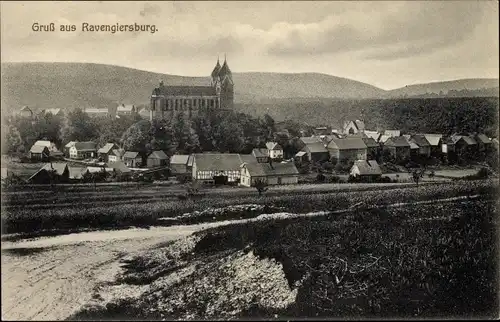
{"x":320,"y":177}
{"x":335,"y":179}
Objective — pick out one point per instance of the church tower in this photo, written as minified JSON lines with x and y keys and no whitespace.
{"x":226,"y":86}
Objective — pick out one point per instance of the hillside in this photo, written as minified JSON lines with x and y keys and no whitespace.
{"x":70,"y":85}
{"x":445,"y":87}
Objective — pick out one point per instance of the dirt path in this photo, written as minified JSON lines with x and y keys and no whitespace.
{"x":51,"y":278}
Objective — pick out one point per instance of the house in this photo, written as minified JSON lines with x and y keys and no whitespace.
{"x":119,"y":167}
{"x":39,"y":153}
{"x":483,"y":143}
{"x":128,"y":109}
{"x":392,"y":133}
{"x":145,"y":113}
{"x":316,"y":152}
{"x":372,"y":148}
{"x":25,"y":111}
{"x":272,"y":173}
{"x":383,"y":138}
{"x":414,"y":148}
{"x":398,"y":148}
{"x":102,"y":112}
{"x":275,"y":150}
{"x":300,"y":157}
{"x":157,"y":159}
{"x":373,"y":134}
{"x":76,"y":173}
{"x":353,"y":127}
{"x":179,"y":164}
{"x":347,"y":149}
{"x":67,"y":147}
{"x":465,"y":147}
{"x":83,"y":150}
{"x":60,"y":174}
{"x":116,"y":155}
{"x":308,"y":139}
{"x":366,"y":168}
{"x":217,"y":167}
{"x":262,"y":155}
{"x":322,"y":130}
{"x":435,"y":142}
{"x":104,"y":152}
{"x":132,"y":159}
{"x":424,"y":147}
{"x":54,"y":152}
{"x":53,"y":111}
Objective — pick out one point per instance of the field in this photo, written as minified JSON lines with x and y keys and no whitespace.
{"x":423,"y":259}
{"x":78,"y":207}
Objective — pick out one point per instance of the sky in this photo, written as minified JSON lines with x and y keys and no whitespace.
{"x":387,"y":44}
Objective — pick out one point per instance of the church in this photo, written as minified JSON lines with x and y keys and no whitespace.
{"x":168,"y":101}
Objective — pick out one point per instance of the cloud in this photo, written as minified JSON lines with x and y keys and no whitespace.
{"x":413,"y":29}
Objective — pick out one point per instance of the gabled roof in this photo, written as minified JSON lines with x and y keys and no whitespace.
{"x":310,"y":139}
{"x":48,"y":144}
{"x":158,"y":155}
{"x":179,"y":159}
{"x":130,"y":155}
{"x":125,"y":108}
{"x":260,"y":152}
{"x":469,"y":140}
{"x":348,"y":143}
{"x":433,"y":139}
{"x":369,"y":167}
{"x":397,"y":141}
{"x":273,"y":146}
{"x":494,"y":141}
{"x":373,"y":134}
{"x":76,"y":173}
{"x":483,"y":139}
{"x":53,"y":111}
{"x":383,"y":138}
{"x":316,"y":147}
{"x":273,"y":169}
{"x":85,"y":146}
{"x":217,"y":161}
{"x":39,"y":149}
{"x":107,"y":148}
{"x":420,"y":141}
{"x":360,"y":125}
{"x":300,"y":154}
{"x":59,"y":169}
{"x":96,"y":110}
{"x":392,"y":132}
{"x":70,"y":144}
{"x":248,"y":158}
{"x":118,"y":152}
{"x":25,"y":108}
{"x":370,"y":142}
{"x":119,"y":166}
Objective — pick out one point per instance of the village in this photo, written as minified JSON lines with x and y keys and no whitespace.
{"x":352,"y":154}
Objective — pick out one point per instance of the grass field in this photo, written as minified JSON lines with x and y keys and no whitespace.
{"x":413,"y":261}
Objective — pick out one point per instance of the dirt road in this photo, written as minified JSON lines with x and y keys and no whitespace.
{"x":50,"y":278}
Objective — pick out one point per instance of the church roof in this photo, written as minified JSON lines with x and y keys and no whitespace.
{"x":225,"y":71}
{"x":186,"y":91}
{"x":216,"y":70}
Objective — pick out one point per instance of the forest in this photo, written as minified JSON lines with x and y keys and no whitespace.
{"x":426,"y":115}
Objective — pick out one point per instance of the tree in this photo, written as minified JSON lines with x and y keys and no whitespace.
{"x":417,"y":175}
{"x":78,"y":126}
{"x":137,"y":137}
{"x":12,"y":142}
{"x":162,"y":137}
{"x":261,"y":186}
{"x":228,"y":135}
{"x":184,"y":135}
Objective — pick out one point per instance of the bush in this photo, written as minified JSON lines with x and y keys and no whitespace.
{"x":335,"y":179}
{"x":320,"y":177}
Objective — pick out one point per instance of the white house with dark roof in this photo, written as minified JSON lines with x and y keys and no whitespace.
{"x":275,"y":150}
{"x":83,"y":150}
{"x":207,"y":166}
{"x":365,"y":168}
{"x":116,"y":155}
{"x":273,"y":173}
{"x":105,"y":152}
{"x":126,"y":109}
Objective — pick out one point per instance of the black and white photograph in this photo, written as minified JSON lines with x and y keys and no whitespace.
{"x":249,"y":160}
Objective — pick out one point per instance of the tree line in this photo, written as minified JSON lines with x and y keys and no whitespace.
{"x":222,"y":131}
